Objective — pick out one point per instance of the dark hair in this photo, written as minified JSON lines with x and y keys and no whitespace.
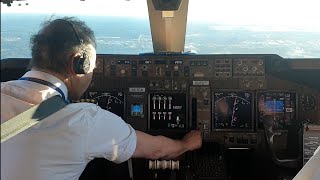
{"x":52,"y":46}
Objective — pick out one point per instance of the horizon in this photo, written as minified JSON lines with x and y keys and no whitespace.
{"x":301,"y":15}
{"x":133,"y":36}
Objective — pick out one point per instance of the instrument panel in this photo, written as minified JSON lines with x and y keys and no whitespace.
{"x":227,"y":97}
{"x":222,"y":95}
{"x":238,"y":102}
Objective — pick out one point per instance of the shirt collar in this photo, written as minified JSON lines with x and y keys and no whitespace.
{"x":48,"y":77}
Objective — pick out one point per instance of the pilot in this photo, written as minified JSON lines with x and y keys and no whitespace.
{"x":61,"y":145}
{"x":311,"y":170}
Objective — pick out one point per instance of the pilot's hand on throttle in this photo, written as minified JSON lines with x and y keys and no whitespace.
{"x":192,"y":140}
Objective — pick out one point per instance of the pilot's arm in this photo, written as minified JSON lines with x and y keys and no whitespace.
{"x":311,"y":170}
{"x":160,"y":147}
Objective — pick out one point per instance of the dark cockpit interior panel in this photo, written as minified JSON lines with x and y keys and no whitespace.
{"x":252,"y":110}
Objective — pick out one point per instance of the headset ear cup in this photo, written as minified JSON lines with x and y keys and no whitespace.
{"x":86,"y":65}
{"x":81,"y":65}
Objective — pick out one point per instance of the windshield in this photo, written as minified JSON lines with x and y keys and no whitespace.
{"x":289,"y":28}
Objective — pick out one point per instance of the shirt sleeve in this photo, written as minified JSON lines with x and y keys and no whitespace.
{"x":109,"y":137}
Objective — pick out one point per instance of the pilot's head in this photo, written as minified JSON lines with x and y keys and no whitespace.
{"x":65,"y":48}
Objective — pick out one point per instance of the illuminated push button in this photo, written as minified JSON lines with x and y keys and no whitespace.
{"x":167,"y":85}
{"x":176,"y":67}
{"x":254,"y":68}
{"x":205,"y":102}
{"x":134,"y":73}
{"x":253,"y":141}
{"x":260,"y":84}
{"x":231,"y":139}
{"x":183,"y":85}
{"x":186,"y":71}
{"x":113,"y":73}
{"x":176,"y":73}
{"x":246,"y":84}
{"x":168,"y":73}
{"x":144,"y":67}
{"x":198,"y":74}
{"x":169,"y":115}
{"x":205,"y":126}
{"x":206,"y":134}
{"x":113,"y":67}
{"x":144,"y":73}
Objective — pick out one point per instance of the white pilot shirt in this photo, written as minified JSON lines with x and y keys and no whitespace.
{"x":61,"y":145}
{"x":311,"y":170}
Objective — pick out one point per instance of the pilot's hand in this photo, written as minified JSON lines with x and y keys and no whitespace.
{"x":192,"y":140}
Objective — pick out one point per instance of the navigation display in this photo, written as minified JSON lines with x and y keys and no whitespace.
{"x":274,"y":106}
{"x":232,"y":110}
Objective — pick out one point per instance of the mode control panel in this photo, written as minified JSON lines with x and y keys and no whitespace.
{"x":183,"y":66}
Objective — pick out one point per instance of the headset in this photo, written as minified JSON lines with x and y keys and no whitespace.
{"x":81,"y":64}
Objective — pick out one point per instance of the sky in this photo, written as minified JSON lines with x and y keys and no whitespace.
{"x":297,"y":14}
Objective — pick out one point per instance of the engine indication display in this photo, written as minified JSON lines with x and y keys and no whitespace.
{"x":111,"y":101}
{"x":232,"y":110}
{"x":167,"y":111}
